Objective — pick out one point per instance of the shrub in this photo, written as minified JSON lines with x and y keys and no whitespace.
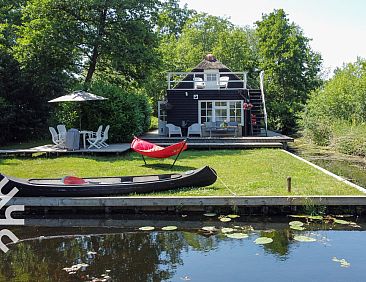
{"x":349,"y":139}
{"x":335,"y":113}
{"x":153,"y":123}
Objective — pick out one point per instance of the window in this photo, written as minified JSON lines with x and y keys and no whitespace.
{"x":206,"y":111}
{"x":235,"y":111}
{"x":220,"y":111}
{"x":211,"y":77}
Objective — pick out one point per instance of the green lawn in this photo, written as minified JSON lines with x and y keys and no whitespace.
{"x":245,"y":172}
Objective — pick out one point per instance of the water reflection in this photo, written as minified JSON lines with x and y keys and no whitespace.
{"x":127,"y":254}
{"x":280,"y":244}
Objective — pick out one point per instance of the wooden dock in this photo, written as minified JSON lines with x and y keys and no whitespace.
{"x":133,"y":204}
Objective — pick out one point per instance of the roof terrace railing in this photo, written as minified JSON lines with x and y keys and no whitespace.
{"x":199,"y":82}
{"x":261,"y":76}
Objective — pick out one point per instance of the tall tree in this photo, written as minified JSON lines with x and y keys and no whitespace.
{"x":10,"y":19}
{"x":172,"y":18}
{"x":290,"y":65}
{"x":199,"y":37}
{"x":86,"y":37}
{"x":236,"y":48}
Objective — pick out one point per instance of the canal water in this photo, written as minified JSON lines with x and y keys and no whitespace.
{"x":201,"y":248}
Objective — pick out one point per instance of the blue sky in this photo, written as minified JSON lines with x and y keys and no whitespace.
{"x":337,"y":27}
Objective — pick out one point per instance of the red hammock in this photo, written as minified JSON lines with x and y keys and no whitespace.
{"x":154,"y":151}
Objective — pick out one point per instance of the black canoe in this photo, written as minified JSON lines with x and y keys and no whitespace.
{"x":108,"y":186}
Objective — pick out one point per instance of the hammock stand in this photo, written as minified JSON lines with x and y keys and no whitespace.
{"x":152,"y":150}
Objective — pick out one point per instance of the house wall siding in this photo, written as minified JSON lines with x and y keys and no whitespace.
{"x":185,"y":107}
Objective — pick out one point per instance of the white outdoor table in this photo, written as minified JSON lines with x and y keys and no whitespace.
{"x":84,"y":133}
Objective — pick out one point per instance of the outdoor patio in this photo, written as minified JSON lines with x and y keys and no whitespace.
{"x":272,"y":140}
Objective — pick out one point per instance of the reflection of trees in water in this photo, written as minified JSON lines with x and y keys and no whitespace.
{"x":130,"y":257}
{"x":199,"y":242}
{"x":23,"y":263}
{"x":138,"y":256}
{"x":280,"y":244}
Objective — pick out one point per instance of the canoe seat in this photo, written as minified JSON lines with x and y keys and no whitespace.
{"x":145,"y":178}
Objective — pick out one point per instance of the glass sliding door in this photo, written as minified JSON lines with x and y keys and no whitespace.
{"x":220,"y":108}
{"x":220,"y":111}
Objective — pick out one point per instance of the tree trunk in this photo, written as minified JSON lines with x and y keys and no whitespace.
{"x":96,"y":47}
{"x":92,"y":65}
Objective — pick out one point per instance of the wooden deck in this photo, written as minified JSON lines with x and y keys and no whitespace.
{"x":273,"y":140}
{"x":53,"y":150}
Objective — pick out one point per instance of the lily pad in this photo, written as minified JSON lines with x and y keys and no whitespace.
{"x":296,"y":223}
{"x":341,"y":221}
{"x":233,"y":216}
{"x":247,"y":228}
{"x":301,"y":238}
{"x":169,"y":228}
{"x":315,"y":217}
{"x":263,"y":240}
{"x":225,"y":219}
{"x":209,"y":228}
{"x":147,"y":228}
{"x":296,"y":227}
{"x":227,"y":230}
{"x":237,"y":235}
{"x":210,"y":214}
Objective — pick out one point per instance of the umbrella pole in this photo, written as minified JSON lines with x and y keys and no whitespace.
{"x":80,"y":117}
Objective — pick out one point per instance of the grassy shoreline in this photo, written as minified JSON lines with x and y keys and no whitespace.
{"x":260,"y":172}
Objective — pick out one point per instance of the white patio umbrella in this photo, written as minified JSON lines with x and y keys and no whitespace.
{"x":78,"y":96}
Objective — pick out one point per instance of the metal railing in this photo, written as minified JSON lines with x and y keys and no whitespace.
{"x":261,"y":81}
{"x":174,"y":78}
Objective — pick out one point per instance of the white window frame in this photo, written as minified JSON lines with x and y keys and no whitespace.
{"x":212,"y":84}
{"x":162,"y":116}
{"x":227,"y":107}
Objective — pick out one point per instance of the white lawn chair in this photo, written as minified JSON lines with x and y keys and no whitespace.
{"x":173,"y":129}
{"x":95,"y":138}
{"x":61,"y":128}
{"x":194,"y":129}
{"x":224,"y":80}
{"x":198,"y":83}
{"x":59,"y":142}
{"x":105,"y":137}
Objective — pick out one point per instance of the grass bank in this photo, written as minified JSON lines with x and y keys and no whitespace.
{"x":260,"y":172}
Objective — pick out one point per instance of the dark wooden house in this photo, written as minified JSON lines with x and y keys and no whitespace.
{"x":212,"y":94}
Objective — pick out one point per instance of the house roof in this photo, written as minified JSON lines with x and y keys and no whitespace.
{"x":210,"y":62}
